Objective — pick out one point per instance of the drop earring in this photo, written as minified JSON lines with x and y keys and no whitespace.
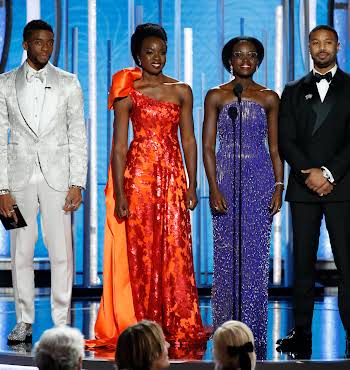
{"x":231,"y":69}
{"x":139,"y":60}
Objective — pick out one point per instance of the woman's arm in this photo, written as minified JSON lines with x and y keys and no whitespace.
{"x":120,"y":137}
{"x":189,"y":144}
{"x":217,"y":200}
{"x":272,"y":120}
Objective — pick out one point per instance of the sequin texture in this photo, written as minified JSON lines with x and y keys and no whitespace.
{"x":158,"y":229}
{"x":256,"y":191}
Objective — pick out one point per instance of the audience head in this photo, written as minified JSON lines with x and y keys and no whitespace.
{"x":59,"y":348}
{"x":142,"y":347}
{"x":233,"y":346}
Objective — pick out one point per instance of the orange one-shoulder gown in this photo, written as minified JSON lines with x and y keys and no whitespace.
{"x":148,"y":265}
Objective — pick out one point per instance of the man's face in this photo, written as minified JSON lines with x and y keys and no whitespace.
{"x":323,"y":48}
{"x":39,"y":48}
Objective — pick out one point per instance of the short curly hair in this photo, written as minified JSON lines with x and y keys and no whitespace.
{"x":227,"y":49}
{"x":35,"y":25}
{"x":143,"y":31}
{"x":324,"y":27}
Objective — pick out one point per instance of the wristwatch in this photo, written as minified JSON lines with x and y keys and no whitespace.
{"x":4,"y":191}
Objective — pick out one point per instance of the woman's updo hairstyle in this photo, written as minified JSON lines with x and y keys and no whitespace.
{"x":143,"y":31}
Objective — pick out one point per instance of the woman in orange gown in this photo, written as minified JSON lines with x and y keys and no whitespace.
{"x":148,"y":265}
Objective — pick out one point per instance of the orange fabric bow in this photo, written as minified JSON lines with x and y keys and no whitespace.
{"x":122,"y":82}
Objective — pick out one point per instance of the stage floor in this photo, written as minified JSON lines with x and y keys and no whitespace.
{"x":328,"y":333}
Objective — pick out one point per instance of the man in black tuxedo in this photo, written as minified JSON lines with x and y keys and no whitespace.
{"x":314,"y":138}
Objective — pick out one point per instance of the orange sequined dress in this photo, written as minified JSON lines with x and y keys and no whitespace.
{"x":148,"y":265}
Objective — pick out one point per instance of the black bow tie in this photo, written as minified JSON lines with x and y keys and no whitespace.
{"x":318,"y":77}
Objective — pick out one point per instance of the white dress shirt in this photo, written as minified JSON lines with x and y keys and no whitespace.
{"x":322,"y":88}
{"x":34,"y":100}
{"x":323,"y":85}
{"x":34,"y":94}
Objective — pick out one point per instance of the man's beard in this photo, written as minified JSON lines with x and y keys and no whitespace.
{"x":324,"y":63}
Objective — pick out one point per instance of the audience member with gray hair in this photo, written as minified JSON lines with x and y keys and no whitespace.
{"x":60,"y":348}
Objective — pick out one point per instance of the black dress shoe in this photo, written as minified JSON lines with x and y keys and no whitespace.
{"x":302,"y":355}
{"x":347,"y":347}
{"x":297,"y":340}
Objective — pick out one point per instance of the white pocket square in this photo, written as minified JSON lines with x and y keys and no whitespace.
{"x":308,"y":96}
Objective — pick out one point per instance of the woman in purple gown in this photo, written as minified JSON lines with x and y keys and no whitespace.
{"x":245,"y":176}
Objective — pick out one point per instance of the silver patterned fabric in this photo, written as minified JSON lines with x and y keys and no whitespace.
{"x":59,"y":143}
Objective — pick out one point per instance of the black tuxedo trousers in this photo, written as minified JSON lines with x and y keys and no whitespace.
{"x":306,"y":220}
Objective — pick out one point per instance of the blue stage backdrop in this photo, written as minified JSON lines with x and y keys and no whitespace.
{"x":212,"y":22}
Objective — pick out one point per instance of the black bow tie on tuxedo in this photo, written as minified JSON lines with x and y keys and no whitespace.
{"x":318,"y":77}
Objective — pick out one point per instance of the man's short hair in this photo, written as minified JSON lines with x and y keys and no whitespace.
{"x":59,"y":348}
{"x":326,"y":28}
{"x":35,"y":25}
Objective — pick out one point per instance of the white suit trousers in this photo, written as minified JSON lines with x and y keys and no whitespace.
{"x":57,"y":235}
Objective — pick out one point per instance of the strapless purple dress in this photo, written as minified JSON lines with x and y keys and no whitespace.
{"x":240,"y":290}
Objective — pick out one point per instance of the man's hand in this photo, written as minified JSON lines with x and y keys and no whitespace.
{"x":315,"y":180}
{"x":73,"y":199}
{"x":325,"y":189}
{"x":6,"y":206}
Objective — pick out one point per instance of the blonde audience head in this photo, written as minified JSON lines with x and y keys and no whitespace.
{"x":142,"y":347}
{"x":233,"y":346}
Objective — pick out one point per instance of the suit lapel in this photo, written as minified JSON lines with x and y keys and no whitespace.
{"x":330,"y":100}
{"x":322,"y":109}
{"x":20,"y":85}
{"x":50,"y":100}
{"x":312,"y":101}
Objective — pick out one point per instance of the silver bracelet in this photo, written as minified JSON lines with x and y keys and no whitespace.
{"x":77,"y":187}
{"x":279,"y":183}
{"x":4,"y":191}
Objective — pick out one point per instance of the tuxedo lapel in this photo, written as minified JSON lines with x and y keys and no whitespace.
{"x":322,"y":109}
{"x":329,"y":102}
{"x":50,"y":100}
{"x":20,"y":85}
{"x":311,"y":101}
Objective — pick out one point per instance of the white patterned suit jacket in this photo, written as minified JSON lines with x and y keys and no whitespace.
{"x":60,"y":142}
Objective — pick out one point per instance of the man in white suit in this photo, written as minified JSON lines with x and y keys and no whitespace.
{"x":43,"y":166}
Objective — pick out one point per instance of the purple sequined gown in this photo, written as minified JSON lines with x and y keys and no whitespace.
{"x":257,"y":181}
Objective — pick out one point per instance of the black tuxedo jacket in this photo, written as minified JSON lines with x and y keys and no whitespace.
{"x":315,"y":134}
